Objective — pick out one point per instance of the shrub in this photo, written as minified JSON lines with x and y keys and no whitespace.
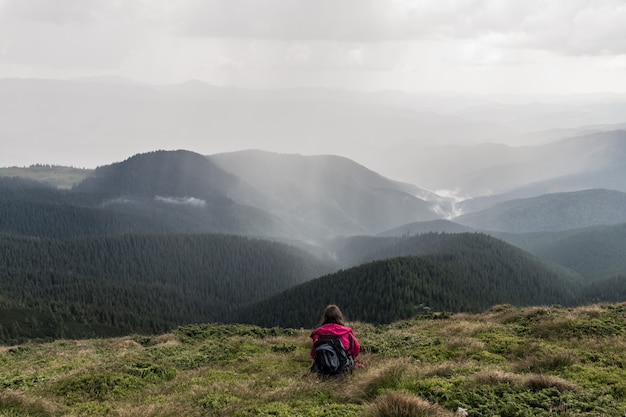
{"x":96,"y":387}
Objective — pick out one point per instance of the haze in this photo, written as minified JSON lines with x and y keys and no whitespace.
{"x":376,"y":81}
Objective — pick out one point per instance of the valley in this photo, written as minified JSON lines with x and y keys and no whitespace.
{"x":178,"y":283}
{"x":264,"y":238}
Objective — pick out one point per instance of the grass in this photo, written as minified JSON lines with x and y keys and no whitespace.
{"x":535,"y":361}
{"x":57,"y":176}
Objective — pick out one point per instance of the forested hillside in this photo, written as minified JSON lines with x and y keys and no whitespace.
{"x":551,"y":212}
{"x":466,"y":272}
{"x":145,"y":283}
{"x":595,"y":252}
{"x":163,"y":173}
{"x":431,"y":226}
{"x":34,"y":209}
{"x":606,"y":290}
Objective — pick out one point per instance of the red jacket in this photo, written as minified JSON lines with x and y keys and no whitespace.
{"x":336,"y":330}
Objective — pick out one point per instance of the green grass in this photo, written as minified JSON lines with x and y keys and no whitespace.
{"x":57,"y":176}
{"x":509,"y":361}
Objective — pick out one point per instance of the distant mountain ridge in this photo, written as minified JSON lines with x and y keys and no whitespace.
{"x":248,"y":193}
{"x":330,"y":192}
{"x":161,"y":173}
{"x":569,"y":164}
{"x":551,"y":212}
{"x":210,"y":223}
{"x":165,"y":202}
{"x":594,"y":252}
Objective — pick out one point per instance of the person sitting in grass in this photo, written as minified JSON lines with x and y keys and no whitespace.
{"x":334,"y":347}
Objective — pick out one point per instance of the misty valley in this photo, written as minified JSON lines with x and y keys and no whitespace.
{"x":167,"y":238}
{"x":490,"y":280}
{"x":270,"y":208}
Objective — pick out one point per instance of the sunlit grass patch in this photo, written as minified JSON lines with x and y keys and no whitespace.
{"x":384,"y":375}
{"x":18,"y":404}
{"x":601,"y":380}
{"x":96,"y":386}
{"x":463,"y":328}
{"x":495,"y":376}
{"x":531,"y":381}
{"x":576,"y":327}
{"x":395,"y":404}
{"x":545,"y":361}
{"x":491,"y":368}
{"x":538,"y":382}
{"x":445,"y":369}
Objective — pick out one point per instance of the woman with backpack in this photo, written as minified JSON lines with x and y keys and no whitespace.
{"x":334,"y":346}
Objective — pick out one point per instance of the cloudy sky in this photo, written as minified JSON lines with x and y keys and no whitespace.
{"x":474,"y":46}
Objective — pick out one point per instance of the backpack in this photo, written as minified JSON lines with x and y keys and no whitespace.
{"x":331,"y":358}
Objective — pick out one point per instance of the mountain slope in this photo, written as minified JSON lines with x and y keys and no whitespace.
{"x":180,"y":173}
{"x":33,"y":208}
{"x":570,"y":164}
{"x":551,"y":212}
{"x":182,"y":189}
{"x":594,"y":252}
{"x":468,"y":272}
{"x":432,"y":226}
{"x":138,"y":283}
{"x":330,"y":194}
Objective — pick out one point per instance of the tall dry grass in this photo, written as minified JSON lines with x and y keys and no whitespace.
{"x":396,"y":404}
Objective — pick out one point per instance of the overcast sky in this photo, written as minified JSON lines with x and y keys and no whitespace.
{"x":475,"y":46}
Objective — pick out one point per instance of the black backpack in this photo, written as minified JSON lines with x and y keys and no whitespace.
{"x":331,"y":358}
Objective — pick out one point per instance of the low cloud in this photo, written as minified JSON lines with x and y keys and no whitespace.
{"x":187,"y":201}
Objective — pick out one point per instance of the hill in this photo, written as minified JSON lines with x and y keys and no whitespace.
{"x":432,"y":226}
{"x":292,"y":197}
{"x":157,"y":192}
{"x":551,"y":212}
{"x":174,"y":174}
{"x":33,"y":208}
{"x":137,"y":283}
{"x":610,"y":290}
{"x":329,"y":195}
{"x":571,"y":163}
{"x":594,"y":252}
{"x":56,"y":176}
{"x":534,"y":361}
{"x":462,"y":272}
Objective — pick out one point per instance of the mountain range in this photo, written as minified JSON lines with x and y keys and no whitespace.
{"x":432,"y":140}
{"x":270,"y":238}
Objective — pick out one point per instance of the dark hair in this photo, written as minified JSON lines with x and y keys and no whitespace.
{"x":332,"y":314}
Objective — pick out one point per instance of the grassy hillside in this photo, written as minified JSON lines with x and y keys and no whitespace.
{"x":53,"y":175}
{"x":526,"y":362}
